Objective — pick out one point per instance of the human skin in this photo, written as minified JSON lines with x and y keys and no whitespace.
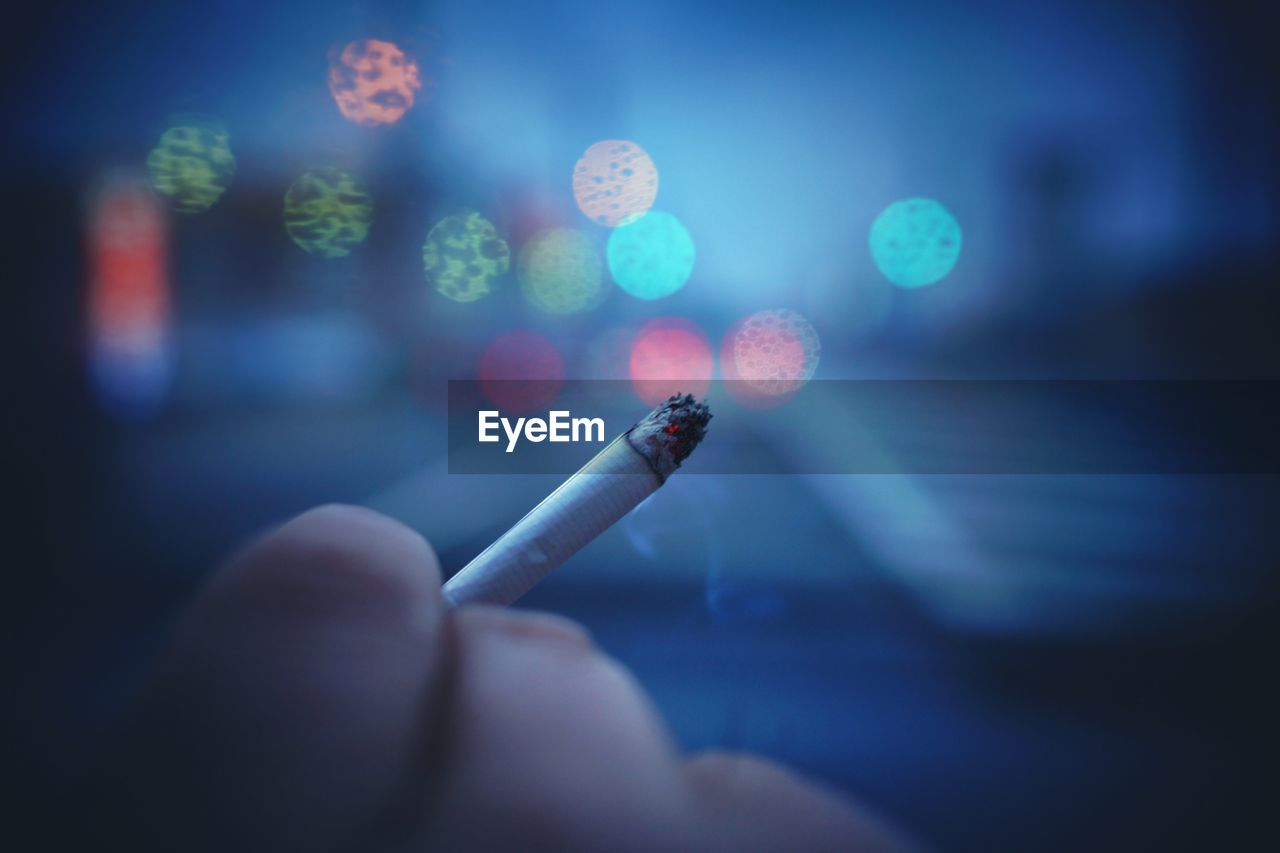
{"x":317,"y":695}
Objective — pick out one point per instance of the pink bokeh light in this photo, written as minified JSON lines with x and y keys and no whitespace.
{"x":521,"y":371}
{"x":670,"y":355}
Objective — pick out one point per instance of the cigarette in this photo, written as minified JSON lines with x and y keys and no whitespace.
{"x":629,"y":469}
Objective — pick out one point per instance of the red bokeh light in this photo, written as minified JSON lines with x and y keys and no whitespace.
{"x":670,"y":355}
{"x":128,"y":248}
{"x":521,"y":371}
{"x":129,"y":315}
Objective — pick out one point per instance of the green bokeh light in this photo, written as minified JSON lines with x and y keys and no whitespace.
{"x":651,"y":257}
{"x":915,"y":242}
{"x":464,"y":256}
{"x":561,"y":272}
{"x":327,"y":212}
{"x":192,"y":164}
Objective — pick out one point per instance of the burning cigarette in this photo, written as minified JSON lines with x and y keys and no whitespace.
{"x":627,"y":471}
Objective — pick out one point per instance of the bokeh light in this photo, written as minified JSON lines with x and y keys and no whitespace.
{"x":192,"y":164}
{"x":744,"y":393}
{"x":614,"y":181}
{"x":775,"y":351}
{"x":915,"y":242}
{"x":464,"y":256}
{"x":130,"y":336}
{"x":521,"y":371}
{"x":373,"y":82}
{"x":670,"y":355}
{"x":651,"y":257}
{"x":561,"y":272}
{"x":327,"y":212}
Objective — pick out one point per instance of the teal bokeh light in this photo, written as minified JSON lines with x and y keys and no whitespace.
{"x":651,"y":257}
{"x":915,"y":242}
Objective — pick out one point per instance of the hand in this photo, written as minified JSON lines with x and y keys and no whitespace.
{"x":317,"y":695}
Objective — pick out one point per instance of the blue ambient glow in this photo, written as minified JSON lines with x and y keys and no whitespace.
{"x":651,"y":257}
{"x":915,"y":242}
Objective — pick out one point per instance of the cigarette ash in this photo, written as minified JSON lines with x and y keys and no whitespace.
{"x":667,"y":435}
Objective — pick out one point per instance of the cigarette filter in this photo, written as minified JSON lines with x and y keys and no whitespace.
{"x":632,"y":467}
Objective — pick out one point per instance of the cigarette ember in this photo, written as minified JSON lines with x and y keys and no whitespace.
{"x":667,"y":435}
{"x":632,"y":467}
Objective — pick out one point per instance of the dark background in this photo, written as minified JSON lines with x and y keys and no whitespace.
{"x":1007,"y":662}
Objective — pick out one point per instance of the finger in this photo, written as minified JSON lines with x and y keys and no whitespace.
{"x":748,"y":803}
{"x":299,"y":687}
{"x":553,"y":744}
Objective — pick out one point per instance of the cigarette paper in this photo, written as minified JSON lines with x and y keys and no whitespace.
{"x":630,"y":468}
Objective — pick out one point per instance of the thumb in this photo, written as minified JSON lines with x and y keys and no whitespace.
{"x":297,"y":698}
{"x":749,"y":803}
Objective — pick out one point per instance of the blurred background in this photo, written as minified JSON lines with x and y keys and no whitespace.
{"x":255,"y":240}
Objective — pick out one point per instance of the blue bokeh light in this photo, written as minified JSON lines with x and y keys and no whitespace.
{"x":915,"y":242}
{"x":651,"y":257}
